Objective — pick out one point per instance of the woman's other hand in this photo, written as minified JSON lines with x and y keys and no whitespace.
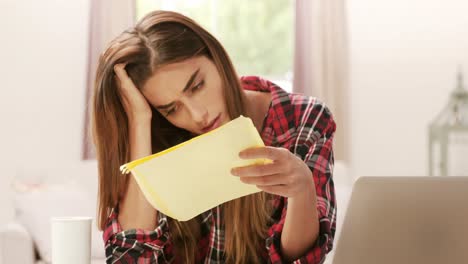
{"x":135,"y":210}
{"x":287,"y":176}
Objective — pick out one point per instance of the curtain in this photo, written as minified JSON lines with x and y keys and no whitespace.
{"x":107,"y":19}
{"x":321,"y":61}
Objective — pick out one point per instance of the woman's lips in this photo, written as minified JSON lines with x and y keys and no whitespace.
{"x":214,"y":124}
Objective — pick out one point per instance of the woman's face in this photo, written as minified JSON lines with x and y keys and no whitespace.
{"x":189,"y":94}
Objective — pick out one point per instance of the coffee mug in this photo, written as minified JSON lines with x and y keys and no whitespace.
{"x":71,"y":240}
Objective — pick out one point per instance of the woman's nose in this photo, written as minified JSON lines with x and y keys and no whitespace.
{"x":198,"y":113}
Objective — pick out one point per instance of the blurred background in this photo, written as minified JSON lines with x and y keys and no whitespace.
{"x":386,"y":68}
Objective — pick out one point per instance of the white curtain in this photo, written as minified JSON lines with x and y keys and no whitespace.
{"x":321,"y":61}
{"x":107,"y":19}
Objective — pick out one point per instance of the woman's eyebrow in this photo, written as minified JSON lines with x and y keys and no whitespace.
{"x":187,"y":86}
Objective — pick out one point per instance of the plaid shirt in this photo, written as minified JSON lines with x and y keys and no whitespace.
{"x":299,"y":123}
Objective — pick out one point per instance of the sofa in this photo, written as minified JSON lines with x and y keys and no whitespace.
{"x":38,"y":194}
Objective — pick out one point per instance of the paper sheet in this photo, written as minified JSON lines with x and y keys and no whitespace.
{"x":193,"y":177}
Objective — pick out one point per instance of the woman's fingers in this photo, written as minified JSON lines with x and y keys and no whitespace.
{"x":120,"y":71}
{"x":135,"y":104}
{"x":122,"y":76}
{"x":257,"y":170}
{"x":268,"y":152}
{"x":269,"y":180}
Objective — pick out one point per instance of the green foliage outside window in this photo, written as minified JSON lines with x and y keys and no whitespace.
{"x":257,"y":34}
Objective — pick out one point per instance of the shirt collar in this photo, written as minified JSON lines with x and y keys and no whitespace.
{"x":280,"y":115}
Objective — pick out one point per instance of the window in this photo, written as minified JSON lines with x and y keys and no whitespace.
{"x":258,"y":35}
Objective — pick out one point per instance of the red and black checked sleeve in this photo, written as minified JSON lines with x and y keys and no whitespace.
{"x":314,"y":146}
{"x":136,"y":245}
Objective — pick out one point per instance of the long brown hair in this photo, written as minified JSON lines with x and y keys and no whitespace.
{"x":161,"y":38}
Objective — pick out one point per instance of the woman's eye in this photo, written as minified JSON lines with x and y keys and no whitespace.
{"x":194,"y":89}
{"x":198,"y":86}
{"x":169,"y":112}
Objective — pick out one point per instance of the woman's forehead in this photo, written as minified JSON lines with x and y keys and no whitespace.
{"x":173,"y":73}
{"x":167,"y":82}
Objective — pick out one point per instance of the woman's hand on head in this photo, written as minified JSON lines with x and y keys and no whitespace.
{"x":135,"y":104}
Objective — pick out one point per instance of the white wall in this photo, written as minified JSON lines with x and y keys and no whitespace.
{"x":42,"y":68}
{"x":404,"y":56}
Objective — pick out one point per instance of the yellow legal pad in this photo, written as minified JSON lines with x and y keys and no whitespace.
{"x":194,"y":176}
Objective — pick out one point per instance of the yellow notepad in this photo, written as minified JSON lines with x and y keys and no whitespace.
{"x":194,"y":176}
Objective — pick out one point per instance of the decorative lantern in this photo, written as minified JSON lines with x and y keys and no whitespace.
{"x":454,"y":118}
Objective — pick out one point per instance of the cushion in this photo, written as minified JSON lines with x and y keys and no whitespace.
{"x":36,"y":203}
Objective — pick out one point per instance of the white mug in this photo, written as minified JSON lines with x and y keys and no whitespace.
{"x":71,"y":240}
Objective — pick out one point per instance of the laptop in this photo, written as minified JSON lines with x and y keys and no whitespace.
{"x":405,"y":220}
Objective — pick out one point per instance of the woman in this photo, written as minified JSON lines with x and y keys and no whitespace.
{"x":167,"y":80}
